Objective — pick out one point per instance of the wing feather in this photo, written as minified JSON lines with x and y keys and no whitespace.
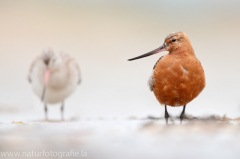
{"x":151,"y":80}
{"x":34,"y":62}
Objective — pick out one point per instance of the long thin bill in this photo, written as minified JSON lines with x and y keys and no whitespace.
{"x":160,"y":49}
{"x":46,"y":79}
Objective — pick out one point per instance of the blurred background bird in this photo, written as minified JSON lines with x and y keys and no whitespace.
{"x":178,"y":77}
{"x":54,"y":76}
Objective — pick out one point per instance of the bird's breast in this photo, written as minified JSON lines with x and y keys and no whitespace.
{"x":58,"y":80}
{"x":178,"y":80}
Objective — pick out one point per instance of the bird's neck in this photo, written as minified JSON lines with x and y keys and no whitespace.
{"x":184,"y":50}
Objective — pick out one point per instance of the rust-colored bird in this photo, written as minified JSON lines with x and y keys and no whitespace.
{"x":177,"y":77}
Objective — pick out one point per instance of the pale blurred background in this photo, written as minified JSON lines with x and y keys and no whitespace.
{"x":102,"y":35}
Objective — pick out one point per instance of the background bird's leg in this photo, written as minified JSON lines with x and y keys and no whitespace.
{"x":182,"y":114}
{"x":45,"y":108}
{"x":62,"y":108}
{"x":166,"y":114}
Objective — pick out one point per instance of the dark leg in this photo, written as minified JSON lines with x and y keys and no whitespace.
{"x":45,"y":108}
{"x":62,"y":108}
{"x":166,"y":114}
{"x":182,"y":114}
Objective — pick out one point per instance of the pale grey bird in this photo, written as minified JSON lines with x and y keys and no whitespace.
{"x":54,"y":76}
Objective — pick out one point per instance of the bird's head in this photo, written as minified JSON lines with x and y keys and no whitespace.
{"x":173,"y":41}
{"x":52,"y":62}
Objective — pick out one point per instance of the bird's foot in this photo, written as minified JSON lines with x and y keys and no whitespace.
{"x":182,"y":116}
{"x":166,"y":118}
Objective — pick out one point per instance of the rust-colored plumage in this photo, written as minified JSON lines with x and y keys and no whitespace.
{"x":178,"y":77}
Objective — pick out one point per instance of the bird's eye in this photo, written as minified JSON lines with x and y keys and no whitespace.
{"x":173,"y":40}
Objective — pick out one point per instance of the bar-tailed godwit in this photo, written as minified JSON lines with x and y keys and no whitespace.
{"x":54,"y":76}
{"x":178,"y":77}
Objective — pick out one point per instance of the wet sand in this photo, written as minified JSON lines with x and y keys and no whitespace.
{"x":208,"y":137}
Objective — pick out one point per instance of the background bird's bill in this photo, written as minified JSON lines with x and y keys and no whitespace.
{"x":160,"y":49}
{"x":46,"y":79}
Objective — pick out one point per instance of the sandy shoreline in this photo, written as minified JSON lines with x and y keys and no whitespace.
{"x":126,"y":138}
